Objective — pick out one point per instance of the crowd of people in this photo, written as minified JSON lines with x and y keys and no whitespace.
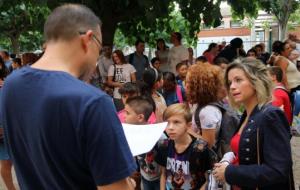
{"x":62,"y":112}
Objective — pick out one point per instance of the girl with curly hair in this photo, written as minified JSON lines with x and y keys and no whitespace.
{"x":203,"y":87}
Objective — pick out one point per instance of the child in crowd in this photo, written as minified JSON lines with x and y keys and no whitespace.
{"x":280,"y":94}
{"x":221,"y":62}
{"x":152,"y":83}
{"x":128,"y":90}
{"x":184,"y":160}
{"x":172,"y":92}
{"x":181,"y":69}
{"x":137,"y":111}
{"x":155,"y":62}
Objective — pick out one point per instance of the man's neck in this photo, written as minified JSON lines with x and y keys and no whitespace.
{"x":54,"y":60}
{"x":139,"y":53}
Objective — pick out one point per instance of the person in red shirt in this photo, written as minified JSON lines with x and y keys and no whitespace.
{"x":280,"y":94}
{"x":211,"y":52}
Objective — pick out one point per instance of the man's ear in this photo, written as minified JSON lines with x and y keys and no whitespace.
{"x":86,"y":39}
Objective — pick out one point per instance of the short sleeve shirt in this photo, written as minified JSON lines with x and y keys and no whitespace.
{"x":122,"y":74}
{"x":176,"y":55}
{"x":184,"y":170}
{"x":62,"y":133}
{"x":210,"y":118}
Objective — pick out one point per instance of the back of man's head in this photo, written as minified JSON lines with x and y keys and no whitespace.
{"x":69,"y":20}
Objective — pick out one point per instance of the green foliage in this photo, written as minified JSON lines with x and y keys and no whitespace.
{"x":295,"y":17}
{"x":162,"y":29}
{"x":18,"y":18}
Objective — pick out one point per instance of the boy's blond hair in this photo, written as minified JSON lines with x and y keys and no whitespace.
{"x":178,"y":109}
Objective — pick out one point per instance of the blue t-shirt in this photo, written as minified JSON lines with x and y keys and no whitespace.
{"x":61,"y":132}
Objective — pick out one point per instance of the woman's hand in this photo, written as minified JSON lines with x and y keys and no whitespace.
{"x":219,"y":171}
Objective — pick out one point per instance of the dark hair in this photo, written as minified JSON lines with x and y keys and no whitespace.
{"x":66,"y":21}
{"x":139,"y":41}
{"x":29,"y":58}
{"x":129,"y":88}
{"x":201,"y":58}
{"x":211,"y":45}
{"x":236,"y":43}
{"x":220,"y":60}
{"x":154,"y":59}
{"x":3,"y":70}
{"x":258,"y":46}
{"x":141,"y":105}
{"x":278,"y":46}
{"x":5,"y":53}
{"x":277,"y":72}
{"x":120,"y":55}
{"x":180,"y":65}
{"x":151,"y":76}
{"x":163,"y":41}
{"x":252,"y":50}
{"x":178,"y":35}
{"x":169,"y":76}
{"x":18,"y":61}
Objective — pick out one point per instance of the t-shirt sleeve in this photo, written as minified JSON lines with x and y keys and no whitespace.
{"x":106,"y":150}
{"x":162,"y":152}
{"x":110,"y":72}
{"x":210,"y":117}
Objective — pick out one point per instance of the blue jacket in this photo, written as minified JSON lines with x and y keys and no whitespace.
{"x":273,"y":172}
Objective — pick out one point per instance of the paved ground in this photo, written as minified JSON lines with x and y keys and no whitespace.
{"x":296,"y":157}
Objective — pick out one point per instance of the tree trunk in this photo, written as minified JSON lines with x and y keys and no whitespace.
{"x":15,"y":44}
{"x":282,"y":31}
{"x":108,"y":28}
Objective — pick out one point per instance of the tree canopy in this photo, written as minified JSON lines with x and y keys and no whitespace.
{"x":140,"y":18}
{"x":22,"y":18}
{"x":281,"y":9}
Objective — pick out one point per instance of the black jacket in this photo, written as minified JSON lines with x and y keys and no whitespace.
{"x":273,"y":172}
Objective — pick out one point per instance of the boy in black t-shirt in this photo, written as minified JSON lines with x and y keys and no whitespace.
{"x":184,"y":160}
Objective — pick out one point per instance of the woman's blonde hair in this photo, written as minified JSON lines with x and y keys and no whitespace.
{"x":258,"y":76}
{"x":204,"y":83}
{"x":178,"y":109}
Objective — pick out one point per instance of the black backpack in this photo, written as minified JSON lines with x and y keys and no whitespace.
{"x":229,"y":126}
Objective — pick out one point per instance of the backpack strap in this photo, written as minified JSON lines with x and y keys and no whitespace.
{"x":115,"y":70}
{"x":179,"y":93}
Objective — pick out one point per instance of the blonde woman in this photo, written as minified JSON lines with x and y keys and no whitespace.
{"x":262,"y":144}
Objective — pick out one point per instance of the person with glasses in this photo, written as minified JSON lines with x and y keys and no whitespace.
{"x":65,"y":134}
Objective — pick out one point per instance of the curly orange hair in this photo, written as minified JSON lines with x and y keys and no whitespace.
{"x":204,"y":82}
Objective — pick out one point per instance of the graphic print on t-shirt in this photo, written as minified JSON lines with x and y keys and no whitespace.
{"x":149,"y":168}
{"x":119,"y":75}
{"x":178,"y":173}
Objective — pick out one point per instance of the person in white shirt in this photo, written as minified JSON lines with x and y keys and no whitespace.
{"x":178,"y":53}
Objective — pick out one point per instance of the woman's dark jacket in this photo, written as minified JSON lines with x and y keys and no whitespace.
{"x":275,"y":152}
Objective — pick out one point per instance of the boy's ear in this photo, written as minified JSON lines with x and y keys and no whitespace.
{"x":189,"y":125}
{"x":141,"y":118}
